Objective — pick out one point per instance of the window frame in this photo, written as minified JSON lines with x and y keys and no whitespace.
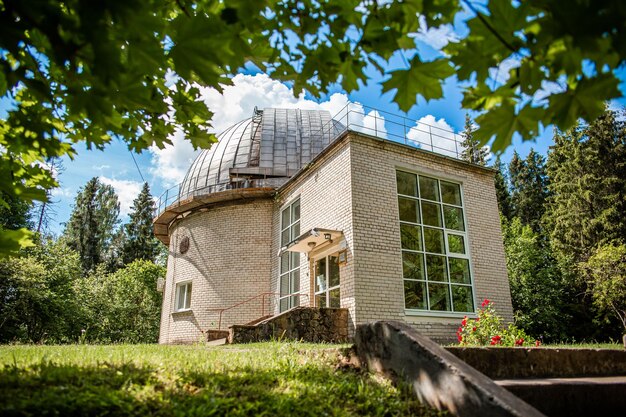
{"x":293,"y":268}
{"x":187,"y":301}
{"x":447,"y":253}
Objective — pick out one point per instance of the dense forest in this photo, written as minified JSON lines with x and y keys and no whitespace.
{"x":563,"y":223}
{"x":94,"y":283}
{"x":564,"y":230}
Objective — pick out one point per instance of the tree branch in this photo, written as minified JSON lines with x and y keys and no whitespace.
{"x":490,"y":28}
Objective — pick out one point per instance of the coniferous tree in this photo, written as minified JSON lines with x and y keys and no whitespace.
{"x":472,"y":151}
{"x":502,"y":189}
{"x":93,"y":222}
{"x":587,"y":169}
{"x":140,"y":242}
{"x":585,"y":212}
{"x":529,"y":185}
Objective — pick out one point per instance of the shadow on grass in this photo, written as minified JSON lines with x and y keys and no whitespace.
{"x":128,"y":390}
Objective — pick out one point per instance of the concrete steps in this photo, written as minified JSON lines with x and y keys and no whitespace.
{"x":582,"y":396}
{"x":557,"y":382}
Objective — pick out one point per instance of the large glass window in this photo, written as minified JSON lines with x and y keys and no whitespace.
{"x":435,"y":256}
{"x":289,"y":279}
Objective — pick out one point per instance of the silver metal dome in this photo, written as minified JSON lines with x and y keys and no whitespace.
{"x":272,"y":145}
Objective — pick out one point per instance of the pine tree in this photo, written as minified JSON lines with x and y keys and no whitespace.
{"x":502,"y":189}
{"x":140,"y":242}
{"x":93,"y":222}
{"x":529,"y":188}
{"x":587,"y":168}
{"x":585,"y":211}
{"x":472,"y":151}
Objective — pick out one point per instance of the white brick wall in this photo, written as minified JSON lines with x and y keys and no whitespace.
{"x":228,"y":261}
{"x":351,"y":188}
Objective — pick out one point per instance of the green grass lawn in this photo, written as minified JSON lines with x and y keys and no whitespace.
{"x":258,"y":379}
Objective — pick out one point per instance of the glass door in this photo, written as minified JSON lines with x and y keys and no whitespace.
{"x":327,"y":282}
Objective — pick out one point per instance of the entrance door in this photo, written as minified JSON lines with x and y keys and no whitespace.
{"x":327,"y":293}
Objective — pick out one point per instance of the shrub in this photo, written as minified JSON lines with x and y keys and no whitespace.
{"x":487,"y":330}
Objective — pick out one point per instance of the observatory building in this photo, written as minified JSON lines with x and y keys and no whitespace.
{"x":295,"y":208}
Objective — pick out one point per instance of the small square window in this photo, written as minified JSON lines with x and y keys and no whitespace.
{"x":183,"y":296}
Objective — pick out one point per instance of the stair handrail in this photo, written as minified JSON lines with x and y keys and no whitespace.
{"x":262,"y":295}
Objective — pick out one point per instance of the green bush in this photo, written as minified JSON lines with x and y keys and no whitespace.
{"x":487,"y":330}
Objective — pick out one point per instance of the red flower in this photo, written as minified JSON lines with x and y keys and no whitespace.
{"x":537,"y":343}
{"x":464,"y":322}
{"x":485,"y":303}
{"x":460,"y":330}
{"x":460,"y":338}
{"x":495,"y":340}
{"x":519,"y":342}
{"x":474,"y":328}
{"x":477,"y":319}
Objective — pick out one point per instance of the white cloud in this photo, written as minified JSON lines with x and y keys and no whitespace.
{"x":435,"y":135}
{"x":61,"y":192}
{"x":437,"y":38}
{"x":171,"y":163}
{"x":126,"y":191}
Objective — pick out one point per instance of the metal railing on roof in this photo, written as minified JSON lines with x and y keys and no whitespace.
{"x":352,"y":117}
{"x":385,"y":125}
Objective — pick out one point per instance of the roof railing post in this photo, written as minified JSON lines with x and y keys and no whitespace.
{"x":430,"y":133}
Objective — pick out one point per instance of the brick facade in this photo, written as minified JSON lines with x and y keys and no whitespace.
{"x":228,"y":261}
{"x":350,"y":187}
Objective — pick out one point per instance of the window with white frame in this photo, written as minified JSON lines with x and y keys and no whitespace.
{"x":183,"y":296}
{"x":435,"y":254}
{"x":289,"y":280}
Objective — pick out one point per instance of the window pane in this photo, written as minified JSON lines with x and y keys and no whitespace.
{"x":429,"y":188}
{"x":295,"y":211}
{"x":295,"y":231}
{"x":439,"y":297}
{"x":450,"y":193}
{"x":407,"y":183}
{"x":462,"y":297}
{"x":284,"y":237}
{"x":454,"y":218}
{"x":413,"y":265}
{"x":180,"y":302}
{"x":284,"y":262}
{"x":284,"y":304}
{"x":320,"y":300}
{"x":408,"y":210}
{"x":295,"y":281}
{"x":411,"y":237}
{"x":295,"y":301}
{"x":285,"y":218}
{"x":320,"y":275}
{"x":295,"y":260}
{"x":459,"y":270}
{"x":436,"y":268}
{"x":188,"y":296}
{"x":456,"y":243}
{"x":333,"y":272}
{"x":415,"y":295}
{"x":335,"y":299}
{"x":433,"y":240}
{"x":431,"y":212}
{"x":284,"y":285}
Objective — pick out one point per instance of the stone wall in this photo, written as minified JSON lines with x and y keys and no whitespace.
{"x":300,"y":323}
{"x":228,"y":261}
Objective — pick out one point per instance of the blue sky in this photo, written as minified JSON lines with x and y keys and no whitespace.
{"x":163,"y":169}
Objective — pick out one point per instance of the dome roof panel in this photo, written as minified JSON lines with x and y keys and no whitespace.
{"x":274,"y":143}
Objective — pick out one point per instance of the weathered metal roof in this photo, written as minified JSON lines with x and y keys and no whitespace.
{"x":273,"y":143}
